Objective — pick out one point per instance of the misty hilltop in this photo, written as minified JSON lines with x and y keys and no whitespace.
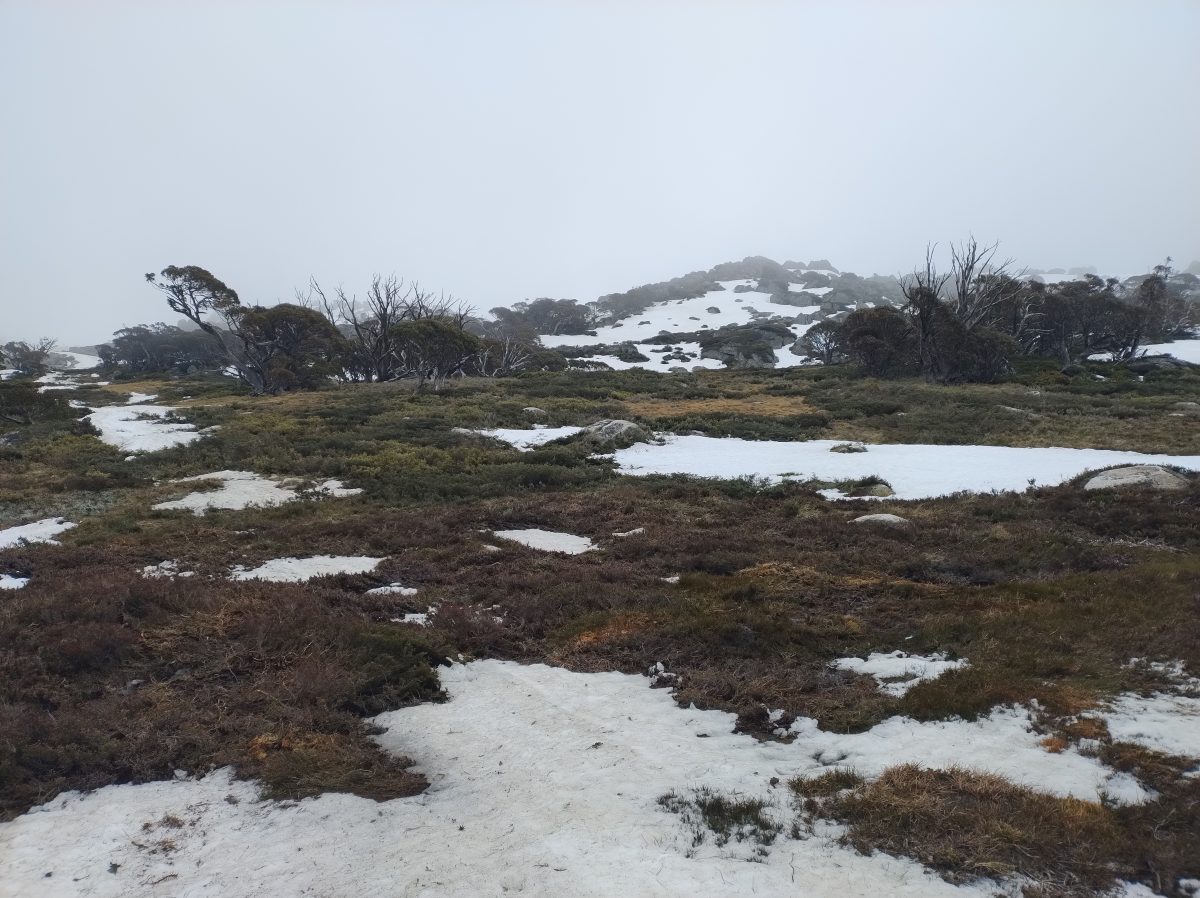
{"x":750,"y":313}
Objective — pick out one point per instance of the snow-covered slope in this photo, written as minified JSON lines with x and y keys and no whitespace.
{"x":783,"y":300}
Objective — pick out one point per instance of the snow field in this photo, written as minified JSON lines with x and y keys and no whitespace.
{"x":913,"y":471}
{"x":542,"y":782}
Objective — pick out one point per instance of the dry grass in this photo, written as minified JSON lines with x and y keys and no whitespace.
{"x":752,"y":403}
{"x":968,"y":825}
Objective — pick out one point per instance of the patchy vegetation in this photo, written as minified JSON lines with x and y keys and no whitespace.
{"x":743,"y":593}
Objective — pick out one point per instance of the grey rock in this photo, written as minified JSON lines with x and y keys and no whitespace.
{"x":614,"y":434}
{"x":1148,"y":476}
{"x":889,"y":520}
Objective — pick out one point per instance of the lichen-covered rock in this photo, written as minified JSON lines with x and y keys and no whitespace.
{"x":614,"y":434}
{"x":889,"y":520}
{"x":1146,"y":476}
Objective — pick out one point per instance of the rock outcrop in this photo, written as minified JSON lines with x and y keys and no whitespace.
{"x":1145,"y":476}
{"x":888,"y":520}
{"x":614,"y":434}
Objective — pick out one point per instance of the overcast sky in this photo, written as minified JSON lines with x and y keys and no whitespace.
{"x":509,"y":150}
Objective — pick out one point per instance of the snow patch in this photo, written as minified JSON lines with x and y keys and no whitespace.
{"x":1184,"y":350}
{"x":526,"y":439}
{"x":898,"y":672}
{"x":246,"y":489}
{"x":548,"y":540}
{"x":7,"y":581}
{"x":165,"y":569}
{"x":141,"y":428}
{"x":914,"y":471}
{"x":42,"y":531}
{"x":1163,"y":722}
{"x":134,"y":398}
{"x":297,"y":570}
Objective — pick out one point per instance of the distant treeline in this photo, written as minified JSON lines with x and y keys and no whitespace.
{"x":969,"y":323}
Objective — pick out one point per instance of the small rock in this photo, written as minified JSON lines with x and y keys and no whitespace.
{"x":891,"y":520}
{"x":1152,"y":476}
{"x":848,"y":447}
{"x":534,"y":412}
{"x":1187,"y":408}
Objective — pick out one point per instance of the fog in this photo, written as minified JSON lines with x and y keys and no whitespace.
{"x":502,"y":151}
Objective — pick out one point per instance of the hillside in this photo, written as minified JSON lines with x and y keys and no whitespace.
{"x":749,"y":314}
{"x":602,"y":633}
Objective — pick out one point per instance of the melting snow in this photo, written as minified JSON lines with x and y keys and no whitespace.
{"x":134,"y":398}
{"x":1163,"y":721}
{"x":245,"y":489}
{"x":168,"y":568}
{"x":76,"y":360}
{"x":7,"y":581}
{"x":420,"y":618}
{"x":42,"y":531}
{"x":528,"y":438}
{"x":1184,"y":350}
{"x":897,"y":672}
{"x":392,"y":589}
{"x":141,"y":428}
{"x":297,"y":570}
{"x":914,"y":471}
{"x":548,"y":540}
{"x":1166,"y":721}
{"x":543,"y":782}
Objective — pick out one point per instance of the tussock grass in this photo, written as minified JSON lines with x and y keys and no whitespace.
{"x":110,"y":678}
{"x":967,"y":825}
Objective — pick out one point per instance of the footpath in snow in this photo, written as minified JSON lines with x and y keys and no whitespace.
{"x":542,"y":782}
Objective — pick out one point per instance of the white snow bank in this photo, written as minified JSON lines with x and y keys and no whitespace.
{"x":548,"y":540}
{"x":897,"y":672}
{"x":7,"y":581}
{"x":42,"y":531}
{"x":6,"y":373}
{"x":528,"y":438}
{"x":1184,"y":350}
{"x":245,"y":489}
{"x":141,"y":428}
{"x":297,"y":570}
{"x":914,"y":471}
{"x":542,"y":782}
{"x":74,"y":361}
